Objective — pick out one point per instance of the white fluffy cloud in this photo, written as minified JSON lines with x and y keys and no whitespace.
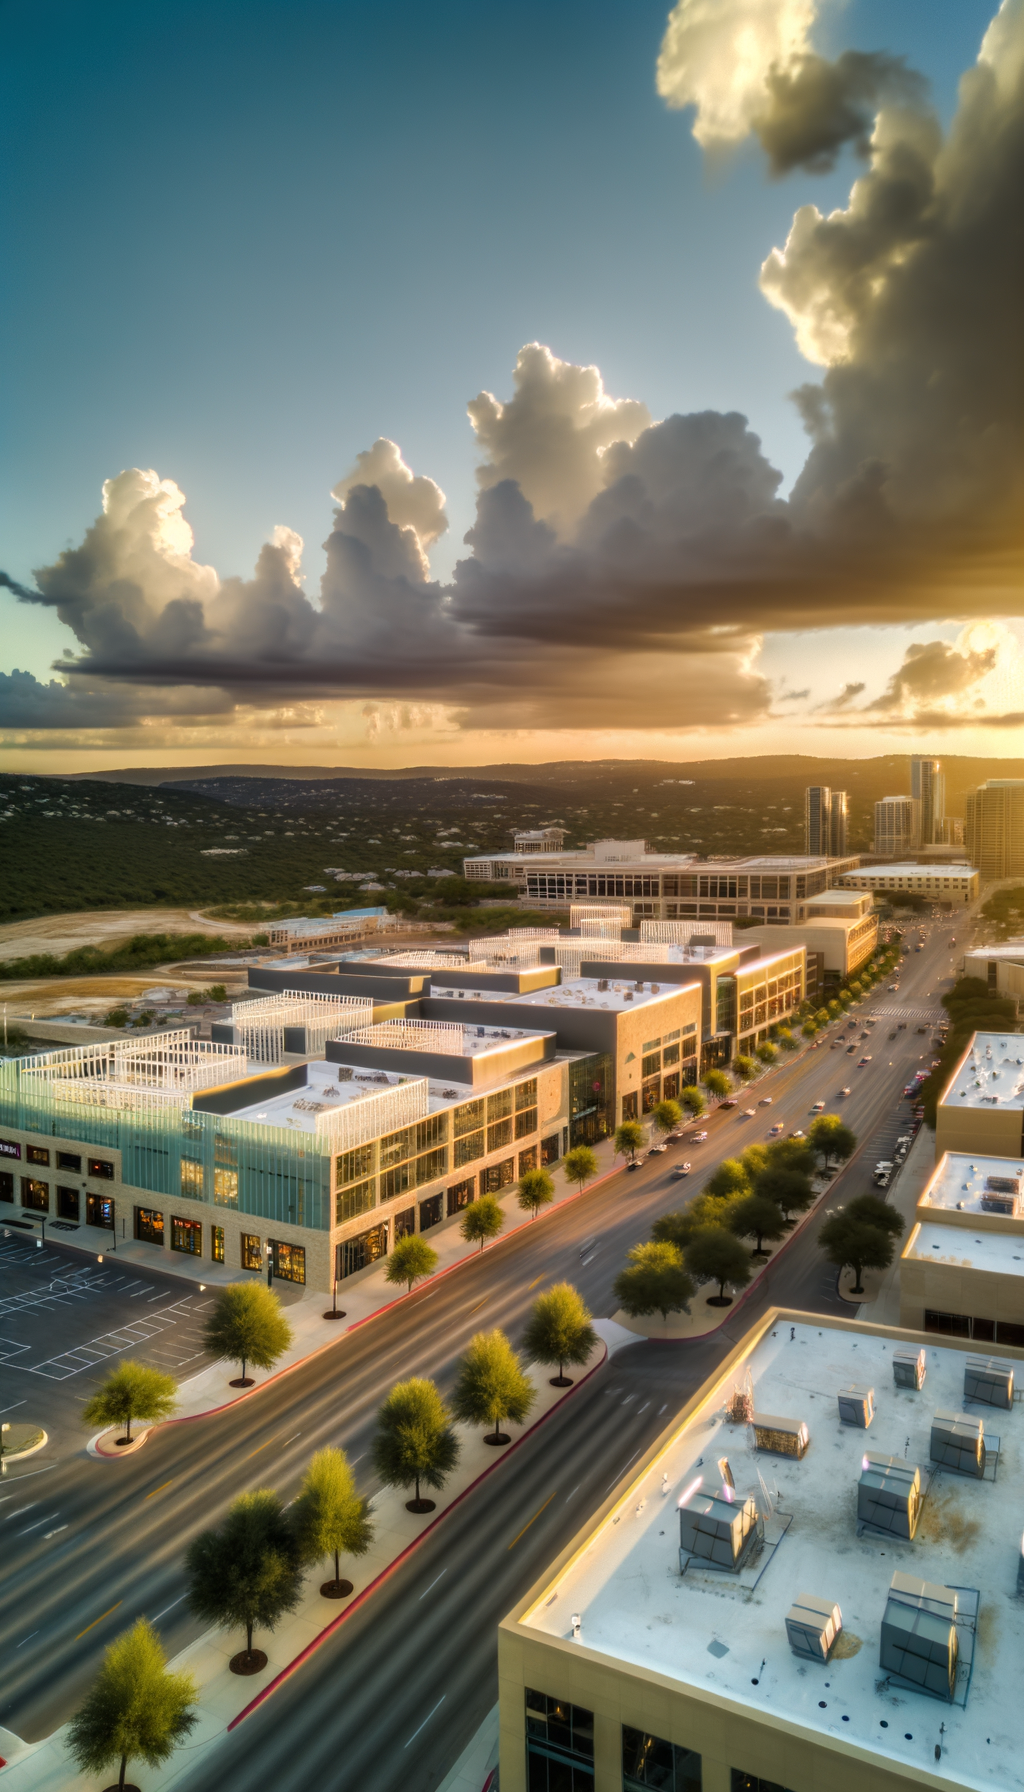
{"x":414,"y":503}
{"x":717,"y":56}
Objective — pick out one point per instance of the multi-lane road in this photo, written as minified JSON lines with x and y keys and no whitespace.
{"x":392,"y":1698}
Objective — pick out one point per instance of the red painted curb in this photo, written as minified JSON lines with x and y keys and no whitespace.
{"x":386,"y":1573}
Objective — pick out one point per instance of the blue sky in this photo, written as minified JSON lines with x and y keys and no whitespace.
{"x":243,"y":241}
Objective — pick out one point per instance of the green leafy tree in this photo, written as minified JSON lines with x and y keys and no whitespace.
{"x":809,"y":1029}
{"x":831,"y":1138}
{"x":667,"y":1115}
{"x":716,"y":1082}
{"x":415,"y":1442}
{"x":729,"y":1179}
{"x":482,"y":1220}
{"x":654,"y":1281}
{"x":412,"y":1259}
{"x":131,"y":1391}
{"x":848,"y":1241}
{"x":792,"y":1154}
{"x":247,"y":1572}
{"x":330,"y":1517}
{"x":491,"y":1386}
{"x":716,"y":1255}
{"x":559,"y":1331}
{"x":873,"y":1211}
{"x":755,"y":1216}
{"x":745,"y":1067}
{"x":767,"y":1052}
{"x":629,"y":1139}
{"x":693,"y":1101}
{"x":580,"y":1164}
{"x":134,"y":1709}
{"x":786,"y":1040}
{"x":536,"y":1190}
{"x":247,"y":1326}
{"x":790,"y":1190}
{"x":755,"y":1159}
{"x":679,"y":1228}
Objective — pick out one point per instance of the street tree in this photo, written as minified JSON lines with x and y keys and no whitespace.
{"x":536,"y":1190}
{"x":482,"y":1220}
{"x":131,"y":1391}
{"x":767,"y":1052}
{"x":693,"y":1100}
{"x":559,"y":1331}
{"x":745,"y":1067}
{"x":791,"y":1190}
{"x":716,"y":1255}
{"x":411,"y":1259}
{"x":330,"y":1517}
{"x":629,"y":1139}
{"x":679,"y":1228}
{"x":849,"y":1242}
{"x":667,"y":1116}
{"x":755,"y":1216}
{"x":580,"y":1164}
{"x":792,"y":1154}
{"x":247,"y":1326}
{"x":832,"y":1138}
{"x":134,"y":1709}
{"x":491,"y":1386}
{"x":755,"y":1159}
{"x":729,"y":1179}
{"x":786,"y":1040}
{"x":415,"y":1442}
{"x":654,"y":1281}
{"x":876,"y":1212}
{"x":247,"y":1572}
{"x":716,"y":1082}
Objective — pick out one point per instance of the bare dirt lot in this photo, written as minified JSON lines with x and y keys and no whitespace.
{"x":103,"y":927}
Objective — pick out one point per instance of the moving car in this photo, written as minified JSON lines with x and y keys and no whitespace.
{"x":765,"y":1101}
{"x":773,"y":1131}
{"x":657,"y":1148}
{"x":680,"y":1170}
{"x":844,"y":1091}
{"x":698,"y":1137}
{"x":818,"y":1108}
{"x":851,"y":1048}
{"x":865,"y":1060}
{"x":749,"y":1113}
{"x":731,"y":1101}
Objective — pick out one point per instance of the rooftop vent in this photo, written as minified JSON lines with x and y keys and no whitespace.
{"x":958,"y":1442}
{"x":785,"y":1437}
{"x":909,"y":1368}
{"x":919,"y":1641}
{"x":889,"y":1495}
{"x":344,"y":1073}
{"x":812,"y":1626}
{"x":988,"y":1381}
{"x":602,"y":983}
{"x":856,"y":1405}
{"x":716,"y":1532}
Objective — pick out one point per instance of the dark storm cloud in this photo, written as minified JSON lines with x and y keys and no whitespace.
{"x":815,"y":107}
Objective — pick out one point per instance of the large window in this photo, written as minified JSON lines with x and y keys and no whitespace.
{"x":67,"y":1203}
{"x":526,"y":1122}
{"x":431,"y":1212}
{"x":289,"y":1261}
{"x":225,"y":1186}
{"x":499,"y":1105}
{"x":396,"y":1146}
{"x":351,"y":1166}
{"x":559,"y":1745}
{"x":647,"y":1761}
{"x":6,"y":1185}
{"x":192,"y":1186}
{"x":499,"y":1135}
{"x":461,"y":1194}
{"x":549,"y":1150}
{"x":591,"y":1087}
{"x":99,"y":1211}
{"x":350,"y":1202}
{"x":468,"y":1148}
{"x":187,"y":1236}
{"x":35,"y":1195}
{"x":526,"y":1094}
{"x":749,"y":1782}
{"x":252,"y":1256}
{"x":37,"y":1154}
{"x":985,"y":1331}
{"x":101,"y":1168}
{"x":217,"y":1243}
{"x":149,"y":1225}
{"x":69,"y":1160}
{"x":499,"y":1176}
{"x":356,"y":1253}
{"x":527,"y":1159}
{"x":467,"y":1118}
{"x":431,"y":1132}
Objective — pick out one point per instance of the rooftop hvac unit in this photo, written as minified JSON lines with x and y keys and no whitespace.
{"x":988,"y":1381}
{"x":958,"y":1442}
{"x":812,"y":1626}
{"x":909,"y":1368}
{"x":785,"y":1437}
{"x":919,"y":1642}
{"x":889,"y":1495}
{"x":856,"y":1405}
{"x":716,"y":1531}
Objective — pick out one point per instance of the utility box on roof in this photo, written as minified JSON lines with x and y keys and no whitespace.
{"x":889,"y":1495}
{"x":786,"y":1437}
{"x":856,"y":1405}
{"x":909,"y":1368}
{"x":812,"y":1626}
{"x":1001,"y":1194}
{"x":958,"y":1442}
{"x":716,"y":1531}
{"x":988,"y":1381}
{"x":919,"y":1641}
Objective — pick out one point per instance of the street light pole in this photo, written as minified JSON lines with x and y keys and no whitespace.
{"x":334,"y":1311}
{"x":270,"y":1264}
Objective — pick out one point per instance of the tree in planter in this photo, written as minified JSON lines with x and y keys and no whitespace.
{"x":536,"y":1190}
{"x":667,"y":1116}
{"x":809,"y":1029}
{"x":580,"y":1164}
{"x":491,"y":1386}
{"x":716,"y":1082}
{"x":715,"y":1255}
{"x":786,"y":1040}
{"x":745,"y":1067}
{"x":654,"y":1281}
{"x":134,"y":1707}
{"x":792,"y":1154}
{"x":559,"y":1331}
{"x":767,"y":1052}
{"x":247,"y":1326}
{"x":629,"y":1139}
{"x":849,"y":1242}
{"x":755,"y":1216}
{"x":482,"y":1220}
{"x":693,"y":1101}
{"x":728,"y":1180}
{"x":755,"y":1159}
{"x":873,"y":1211}
{"x":131,"y":1391}
{"x":411,"y":1260}
{"x":331,"y":1518}
{"x":679,"y":1228}
{"x":247,"y":1572}
{"x":415,"y":1442}
{"x":832,"y":1138}
{"x":790,"y":1190}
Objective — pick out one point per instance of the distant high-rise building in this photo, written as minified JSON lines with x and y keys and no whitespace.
{"x":951,"y":832}
{"x":897,"y":826}
{"x":928,"y":787}
{"x":817,"y":820}
{"x":994,"y":827}
{"x":837,"y":826}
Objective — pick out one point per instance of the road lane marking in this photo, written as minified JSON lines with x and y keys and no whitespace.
{"x":96,"y":1621}
{"x":48,"y":1534}
{"x":290,"y":1440}
{"x":27,"y":1639}
{"x":624,"y":1468}
{"x":156,"y":1490}
{"x":533,"y":1520}
{"x":476,"y":1309}
{"x":167,"y":1608}
{"x":427,"y":1719}
{"x":37,"y":1522}
{"x":433,"y":1584}
{"x":9,"y":1515}
{"x":534,"y":1284}
{"x":574,"y":1491}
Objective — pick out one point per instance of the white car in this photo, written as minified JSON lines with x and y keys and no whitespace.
{"x":657,"y":1148}
{"x":749,"y":1113}
{"x":818,"y":1108}
{"x":681,"y":1170}
{"x":844,"y":1091}
{"x":698,"y":1137}
{"x":765,"y":1101}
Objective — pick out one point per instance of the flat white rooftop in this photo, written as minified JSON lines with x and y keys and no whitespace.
{"x":960,"y":1180}
{"x":992,"y":1074}
{"x":998,"y":1252}
{"x":583,"y":992}
{"x":707,"y":1631}
{"x":297,"y":1109}
{"x":932,"y":870}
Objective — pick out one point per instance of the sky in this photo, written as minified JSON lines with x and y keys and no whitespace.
{"x":474,"y":384}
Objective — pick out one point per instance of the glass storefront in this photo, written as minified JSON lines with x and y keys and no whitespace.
{"x":99,"y":1211}
{"x":187,"y":1236}
{"x":67,"y":1204}
{"x":35,"y":1195}
{"x":217,"y":1243}
{"x":356,"y":1253}
{"x":252,"y":1256}
{"x":289,"y":1261}
{"x":149,"y":1225}
{"x":461,"y":1195}
{"x":431,"y":1212}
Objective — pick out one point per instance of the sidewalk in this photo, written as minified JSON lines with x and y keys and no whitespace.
{"x":226,"y":1698}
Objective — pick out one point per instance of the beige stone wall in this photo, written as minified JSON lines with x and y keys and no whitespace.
{"x":988,"y":1131}
{"x":944,"y":1287}
{"x":650,"y":1020}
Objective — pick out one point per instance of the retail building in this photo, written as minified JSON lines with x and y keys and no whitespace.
{"x":962,"y":1268}
{"x":982,"y":1106}
{"x":956,"y":885}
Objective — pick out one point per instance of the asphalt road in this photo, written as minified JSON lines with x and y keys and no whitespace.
{"x":94,"y":1546}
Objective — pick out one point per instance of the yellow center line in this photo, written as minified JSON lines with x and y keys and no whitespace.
{"x":253,"y":1453}
{"x":480,"y":1303}
{"x":534,"y":1284}
{"x":96,"y":1621}
{"x":532,"y":1520}
{"x":157,"y":1490}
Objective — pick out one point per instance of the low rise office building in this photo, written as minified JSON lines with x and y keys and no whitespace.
{"x":1001,"y":968}
{"x":982,"y":1106}
{"x":954,"y":885}
{"x":962,"y":1268}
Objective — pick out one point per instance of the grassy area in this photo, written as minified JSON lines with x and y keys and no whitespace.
{"x":140,"y":953}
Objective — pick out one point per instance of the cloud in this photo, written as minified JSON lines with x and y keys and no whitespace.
{"x":814,"y":107}
{"x":718,"y":56}
{"x":932,"y":670}
{"x":414,"y":503}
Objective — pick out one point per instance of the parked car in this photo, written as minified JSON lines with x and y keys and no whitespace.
{"x":680,"y":1170}
{"x":798,"y":1134}
{"x":920,"y":1029}
{"x":894,"y":986}
{"x":850,"y":1048}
